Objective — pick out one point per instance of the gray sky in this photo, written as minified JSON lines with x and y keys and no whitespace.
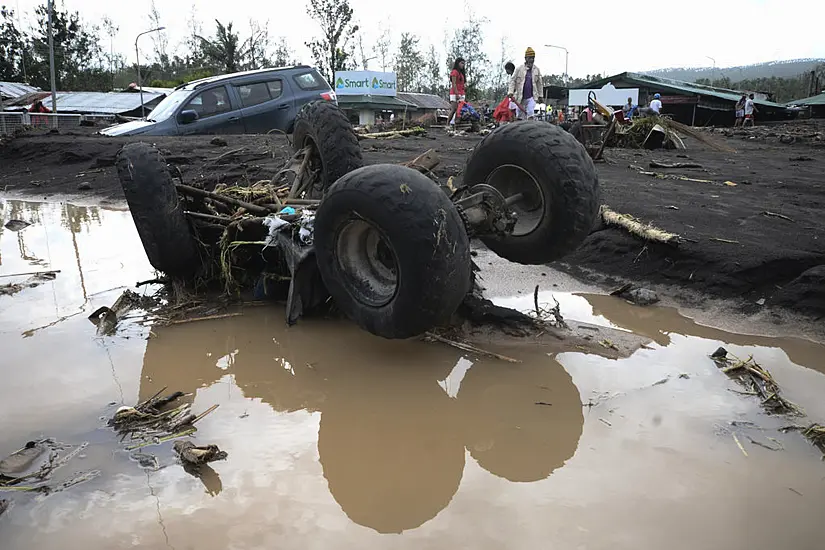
{"x":666,"y":34}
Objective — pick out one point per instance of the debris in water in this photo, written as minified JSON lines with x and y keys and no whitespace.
{"x":22,"y":459}
{"x":755,"y":379}
{"x":470,"y":348}
{"x":197,"y":456}
{"x":4,"y":505}
{"x":795,"y":491}
{"x":815,"y":433}
{"x":16,"y":225}
{"x":147,"y":424}
{"x":738,"y":444}
{"x":35,"y":280}
{"x":107,"y":318}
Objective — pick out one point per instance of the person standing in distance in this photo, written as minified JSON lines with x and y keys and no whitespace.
{"x":750,"y":108}
{"x":526,"y":85}
{"x":656,"y":104}
{"x":457,"y":88}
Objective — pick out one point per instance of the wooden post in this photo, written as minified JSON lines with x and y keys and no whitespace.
{"x":693,"y":120}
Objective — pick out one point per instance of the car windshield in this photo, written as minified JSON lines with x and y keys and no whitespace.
{"x":169,"y":105}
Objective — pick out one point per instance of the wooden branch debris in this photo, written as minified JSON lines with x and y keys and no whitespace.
{"x":775,"y":215}
{"x":470,"y":348}
{"x":424,"y":162}
{"x":201,"y":193}
{"x":756,"y":379}
{"x":657,"y":164}
{"x":633,"y":226}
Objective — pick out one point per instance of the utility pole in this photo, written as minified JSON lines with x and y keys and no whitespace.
{"x":566,"y":56}
{"x":51,"y":60}
{"x":137,"y":60}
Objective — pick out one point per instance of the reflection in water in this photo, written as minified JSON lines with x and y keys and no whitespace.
{"x":393,"y":435}
{"x":658,"y":323}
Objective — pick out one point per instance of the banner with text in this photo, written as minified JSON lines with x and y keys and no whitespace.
{"x":365,"y":82}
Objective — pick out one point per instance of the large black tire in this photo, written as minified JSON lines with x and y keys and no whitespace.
{"x":337,"y":151}
{"x":156,"y":210}
{"x":558,"y":178}
{"x":392,"y":250}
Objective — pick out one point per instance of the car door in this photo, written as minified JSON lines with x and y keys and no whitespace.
{"x":266,"y":105}
{"x":216,"y":113}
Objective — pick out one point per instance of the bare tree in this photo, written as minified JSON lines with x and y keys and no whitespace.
{"x":333,"y":50}
{"x":256,"y":47}
{"x":383,"y":45}
{"x":111,"y":29}
{"x":284,"y":55}
{"x":160,"y":42}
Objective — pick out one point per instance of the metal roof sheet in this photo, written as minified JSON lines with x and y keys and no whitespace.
{"x":814,"y":100}
{"x":99,"y":102}
{"x":669,"y":84}
{"x":16,"y":89}
{"x":376,"y":101}
{"x":424,"y":101}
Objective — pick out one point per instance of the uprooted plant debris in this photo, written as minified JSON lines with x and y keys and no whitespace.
{"x":31,"y":468}
{"x":151,"y":422}
{"x":757,"y":381}
{"x":193,"y":455}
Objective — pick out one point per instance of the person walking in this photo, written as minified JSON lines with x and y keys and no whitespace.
{"x":526,"y":85}
{"x":740,"y":111}
{"x":457,"y":89}
{"x":656,"y":104}
{"x":750,"y":109}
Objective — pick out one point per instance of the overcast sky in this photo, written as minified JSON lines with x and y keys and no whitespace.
{"x":620,"y":36}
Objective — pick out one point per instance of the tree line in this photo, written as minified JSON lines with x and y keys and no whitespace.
{"x":85,"y":58}
{"x":783,"y":90}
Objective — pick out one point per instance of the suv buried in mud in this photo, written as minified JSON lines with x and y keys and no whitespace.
{"x":252,"y":102}
{"x":387,"y":244}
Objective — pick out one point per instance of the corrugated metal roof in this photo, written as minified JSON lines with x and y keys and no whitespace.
{"x":16,"y":89}
{"x":424,"y":101}
{"x":815,"y":100}
{"x":104,"y":103}
{"x":374,"y":101}
{"x":668,"y":84}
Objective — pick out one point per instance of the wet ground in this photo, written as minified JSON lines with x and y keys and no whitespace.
{"x":339,"y":439}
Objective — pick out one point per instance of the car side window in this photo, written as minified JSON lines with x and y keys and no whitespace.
{"x":276,"y":88}
{"x":308,"y":81}
{"x":209,"y":103}
{"x":253,"y":94}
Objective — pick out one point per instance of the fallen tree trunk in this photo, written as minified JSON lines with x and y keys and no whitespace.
{"x":395,"y":133}
{"x":635,"y":227}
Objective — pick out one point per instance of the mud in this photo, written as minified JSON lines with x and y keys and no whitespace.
{"x":757,"y":243}
{"x":336,"y":438}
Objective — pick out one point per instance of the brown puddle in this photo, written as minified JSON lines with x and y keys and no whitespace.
{"x":340,"y":439}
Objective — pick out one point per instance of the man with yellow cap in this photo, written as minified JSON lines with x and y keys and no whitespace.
{"x":525,"y":85}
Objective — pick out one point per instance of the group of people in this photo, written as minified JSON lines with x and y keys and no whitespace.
{"x":524,"y":90}
{"x":745,"y":108}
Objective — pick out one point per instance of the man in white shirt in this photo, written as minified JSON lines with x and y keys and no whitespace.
{"x":750,"y":108}
{"x":656,"y":104}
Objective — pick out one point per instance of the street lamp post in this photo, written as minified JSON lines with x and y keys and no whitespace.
{"x":713,"y":71}
{"x":137,"y":60}
{"x":566,"y":55}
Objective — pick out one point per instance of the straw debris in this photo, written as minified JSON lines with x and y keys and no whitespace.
{"x":756,"y":380}
{"x":637,"y":228}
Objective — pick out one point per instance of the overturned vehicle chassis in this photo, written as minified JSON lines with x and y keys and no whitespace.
{"x":387,"y":243}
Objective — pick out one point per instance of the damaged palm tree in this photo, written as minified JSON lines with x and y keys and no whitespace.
{"x":384,"y":244}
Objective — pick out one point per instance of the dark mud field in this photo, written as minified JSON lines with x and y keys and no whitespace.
{"x":760,"y":242}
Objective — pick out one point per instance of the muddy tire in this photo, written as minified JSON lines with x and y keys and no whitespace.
{"x":336,"y":149}
{"x":392,"y":250}
{"x":156,"y":210}
{"x":559,"y":183}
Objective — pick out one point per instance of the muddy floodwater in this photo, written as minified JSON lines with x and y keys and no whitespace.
{"x":339,"y":439}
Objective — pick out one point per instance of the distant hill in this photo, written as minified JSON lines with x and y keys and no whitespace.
{"x":779,"y":69}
